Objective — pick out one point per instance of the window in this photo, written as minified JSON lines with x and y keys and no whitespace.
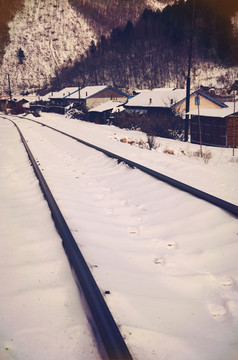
{"x":197,"y":100}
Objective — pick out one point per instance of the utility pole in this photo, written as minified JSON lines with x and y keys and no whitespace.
{"x":190,"y":52}
{"x":234,"y":125}
{"x":197,"y":102}
{"x":79,"y":95}
{"x":9,"y":85}
{"x":234,"y":88}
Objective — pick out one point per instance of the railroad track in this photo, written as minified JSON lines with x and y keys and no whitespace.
{"x":157,"y":261}
{"x":107,"y":335}
{"x":231,"y":208}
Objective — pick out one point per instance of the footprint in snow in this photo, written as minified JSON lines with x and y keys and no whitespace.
{"x":226,"y":281}
{"x":159,"y":261}
{"x":163,"y":243}
{"x":217,"y":311}
{"x":133,"y":231}
{"x":172,"y":245}
{"x":141,"y":207}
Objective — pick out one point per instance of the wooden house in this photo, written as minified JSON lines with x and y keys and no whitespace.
{"x":218,"y":127}
{"x":102,"y":113}
{"x":57,"y":97}
{"x":205,"y":102}
{"x":18,"y":106}
{"x":170,"y":99}
{"x":90,"y":96}
{"x":152,"y":100}
{"x":167,"y":106}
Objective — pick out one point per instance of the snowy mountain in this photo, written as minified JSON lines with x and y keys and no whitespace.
{"x":50,"y":33}
{"x":46,"y":36}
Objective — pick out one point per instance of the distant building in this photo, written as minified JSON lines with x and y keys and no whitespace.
{"x":219,"y":127}
{"x":205,"y":102}
{"x":159,"y":98}
{"x":103,"y":112}
{"x":170,"y":99}
{"x":168,"y":105}
{"x":90,"y":96}
{"x":58,"y":96}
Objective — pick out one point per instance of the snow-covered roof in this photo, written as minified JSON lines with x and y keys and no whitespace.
{"x":219,"y":113}
{"x":159,"y":97}
{"x":62,"y":93}
{"x":109,"y":105}
{"x":45,"y":97}
{"x":29,"y":98}
{"x":72,"y":93}
{"x":165,"y":97}
{"x":89,"y":91}
{"x":231,"y":104}
{"x":85,"y":92}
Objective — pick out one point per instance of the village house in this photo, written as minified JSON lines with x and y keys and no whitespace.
{"x":19,"y":106}
{"x":205,"y":102}
{"x":216,"y":127}
{"x":104,"y":112}
{"x":167,"y":107}
{"x":90,"y":96}
{"x":151,"y":100}
{"x":15,"y":106}
{"x":57,"y":97}
{"x":169,"y":99}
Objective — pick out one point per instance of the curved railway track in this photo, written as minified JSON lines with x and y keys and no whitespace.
{"x":107,"y":335}
{"x":232,"y":208}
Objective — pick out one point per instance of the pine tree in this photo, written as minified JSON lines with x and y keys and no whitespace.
{"x":20,"y":55}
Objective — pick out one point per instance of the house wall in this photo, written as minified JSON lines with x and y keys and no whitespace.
{"x":3,"y":106}
{"x":204,"y":104}
{"x":213,"y":131}
{"x":104,"y":96}
{"x":232,"y":131}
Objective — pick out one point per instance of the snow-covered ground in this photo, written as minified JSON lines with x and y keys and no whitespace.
{"x":169,"y":260}
{"x":216,"y":173}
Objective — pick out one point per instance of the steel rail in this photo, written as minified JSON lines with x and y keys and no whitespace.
{"x":114,"y":347}
{"x":223,"y":204}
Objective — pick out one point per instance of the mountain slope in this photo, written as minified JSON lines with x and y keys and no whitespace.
{"x":89,"y":42}
{"x":51,"y":34}
{"x":153,"y":52}
{"x":106,"y":15}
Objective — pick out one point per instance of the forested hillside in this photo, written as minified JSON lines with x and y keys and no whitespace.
{"x":153,"y":51}
{"x":49,"y":44}
{"x":108,"y":14}
{"x":43,"y":36}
